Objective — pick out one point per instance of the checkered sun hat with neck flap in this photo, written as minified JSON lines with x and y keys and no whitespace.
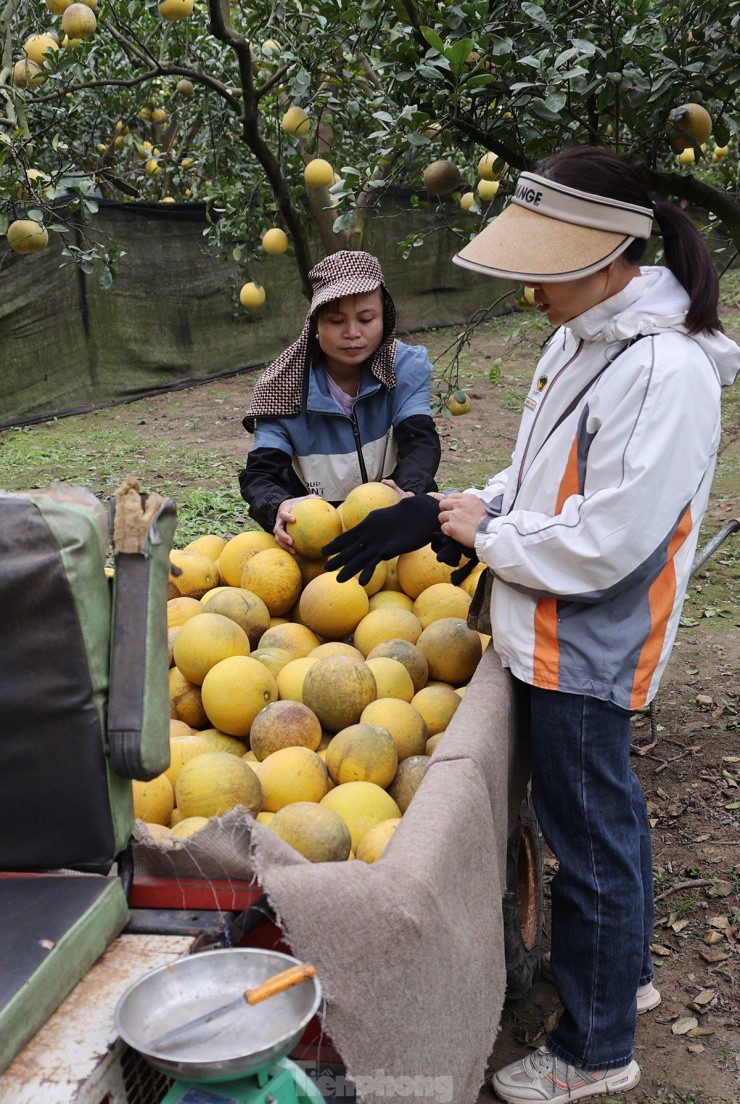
{"x":278,"y":392}
{"x":550,"y":233}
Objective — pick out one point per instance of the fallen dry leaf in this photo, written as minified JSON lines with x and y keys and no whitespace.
{"x":713,"y":956}
{"x":712,"y":937}
{"x":684,"y":1024}
{"x":679,"y":926}
{"x":700,"y":1033}
{"x":663,"y":952}
{"x":720,"y":922}
{"x":705,"y":996}
{"x":695,"y":1048}
{"x":720,"y":889}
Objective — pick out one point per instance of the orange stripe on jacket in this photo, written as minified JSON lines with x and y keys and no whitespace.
{"x":546,"y":659}
{"x":661,"y":596}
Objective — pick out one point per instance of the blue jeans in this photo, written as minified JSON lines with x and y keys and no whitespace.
{"x":593,"y":815}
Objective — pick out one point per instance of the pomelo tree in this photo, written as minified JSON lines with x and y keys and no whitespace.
{"x":231,"y":103}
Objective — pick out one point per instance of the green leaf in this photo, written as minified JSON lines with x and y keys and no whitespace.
{"x":105,"y":279}
{"x":457,"y":55}
{"x":433,"y":39}
{"x":35,"y":214}
{"x":539,"y":108}
{"x":534,"y":11}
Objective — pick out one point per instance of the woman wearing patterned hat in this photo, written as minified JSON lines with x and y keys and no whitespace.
{"x":347,"y":403}
{"x":589,"y":535}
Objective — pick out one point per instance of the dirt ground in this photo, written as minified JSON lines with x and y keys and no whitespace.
{"x":190,"y":444}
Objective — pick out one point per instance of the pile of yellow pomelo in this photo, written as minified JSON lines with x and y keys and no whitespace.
{"x":313,"y":704}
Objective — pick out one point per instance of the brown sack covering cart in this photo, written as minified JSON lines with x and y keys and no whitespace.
{"x":410,"y":950}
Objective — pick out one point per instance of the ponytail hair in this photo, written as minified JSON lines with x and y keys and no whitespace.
{"x":690,"y":262}
{"x":597,"y":169}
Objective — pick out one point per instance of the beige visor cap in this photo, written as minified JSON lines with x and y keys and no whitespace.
{"x":552,"y":233}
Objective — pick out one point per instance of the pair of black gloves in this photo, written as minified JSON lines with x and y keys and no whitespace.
{"x":389,"y":532}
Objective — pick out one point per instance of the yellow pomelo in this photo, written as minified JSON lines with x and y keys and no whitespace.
{"x":265,"y":819}
{"x":249,"y":756}
{"x":176,"y":817}
{"x":687,"y":124}
{"x":153,"y":801}
{"x":467,"y":200}
{"x":333,"y":609}
{"x":209,"y":545}
{"x":361,"y":805}
{"x":188,"y":826}
{"x":469,"y":585}
{"x":410,"y":655}
{"x":491,"y":166}
{"x":296,"y":122}
{"x":252,"y":295}
{"x":404,"y":722}
{"x":186,"y":703}
{"x":433,"y":742}
{"x":198,"y":573}
{"x":391,"y":580}
{"x":487,"y":190}
{"x":173,"y":10}
{"x":204,"y":641}
{"x":275,"y":577}
{"x":392,"y":680}
{"x":278,"y":621}
{"x":362,"y":753}
{"x":686,"y":156}
{"x":377,"y":579}
{"x":441,"y":600}
{"x":408,"y":779}
{"x":274,"y":659}
{"x":365,"y":498}
{"x":180,"y":610}
{"x":179,"y":728}
{"x":78,"y":21}
{"x":373,"y":843}
{"x":241,"y":606}
{"x":386,"y":623}
{"x":453,"y":650}
{"x":36,"y":46}
{"x":318,"y":173}
{"x":275,"y":241}
{"x":234,"y":691}
{"x":291,"y":774}
{"x":183,"y":748}
{"x":58,"y":7}
{"x":437,"y":705}
{"x":160,"y":832}
{"x":318,"y":834}
{"x":337,"y":689}
{"x":458,"y":405}
{"x":421,"y":569}
{"x":316,"y":523}
{"x":26,"y":235}
{"x":296,"y":639}
{"x":211,"y":784}
{"x":238,"y":550}
{"x":394,"y":598}
{"x":290,"y":680}
{"x":220,"y":741}
{"x":337,"y":648}
{"x":441,"y":177}
{"x":284,"y":724}
{"x":310,"y":569}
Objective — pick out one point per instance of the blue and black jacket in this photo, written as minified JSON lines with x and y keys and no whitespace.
{"x":321,"y":451}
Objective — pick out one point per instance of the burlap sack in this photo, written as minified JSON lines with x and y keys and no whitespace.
{"x":410,"y":951}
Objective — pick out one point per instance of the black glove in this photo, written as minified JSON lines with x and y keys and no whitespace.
{"x":450,"y":551}
{"x":382,"y":535}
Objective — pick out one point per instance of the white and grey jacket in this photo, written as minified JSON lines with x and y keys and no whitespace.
{"x":592,"y":530}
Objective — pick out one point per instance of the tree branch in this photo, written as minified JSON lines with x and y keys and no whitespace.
{"x":222,"y":29}
{"x":687,"y":187}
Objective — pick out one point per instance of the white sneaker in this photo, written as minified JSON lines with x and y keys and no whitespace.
{"x":543,"y":1077}
{"x":648,"y":997}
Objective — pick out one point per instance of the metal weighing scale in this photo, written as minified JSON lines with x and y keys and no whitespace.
{"x":283,"y":1082}
{"x":239,"y":1059}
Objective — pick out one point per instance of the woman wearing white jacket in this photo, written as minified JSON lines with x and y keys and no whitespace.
{"x":590,"y":536}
